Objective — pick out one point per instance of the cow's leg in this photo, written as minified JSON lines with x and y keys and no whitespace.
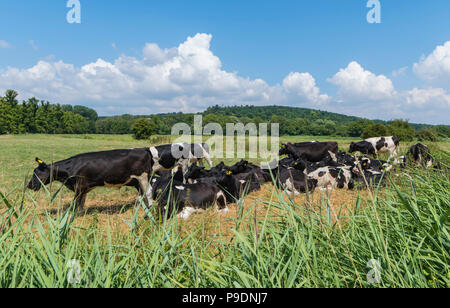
{"x":149,"y":196}
{"x":144,"y":186}
{"x":184,"y":168}
{"x":80,"y":200}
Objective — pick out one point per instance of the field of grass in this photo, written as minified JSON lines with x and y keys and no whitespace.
{"x":268,"y":240}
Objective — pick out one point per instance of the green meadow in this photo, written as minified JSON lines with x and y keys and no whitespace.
{"x":396,"y":235}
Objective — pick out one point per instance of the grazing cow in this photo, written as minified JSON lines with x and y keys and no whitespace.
{"x":330,"y":178}
{"x":420,"y":154}
{"x":313,"y":152}
{"x":83,"y":173}
{"x":375,"y":146}
{"x":185,"y":199}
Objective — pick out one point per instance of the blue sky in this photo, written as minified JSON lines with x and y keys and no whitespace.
{"x":317,"y":54}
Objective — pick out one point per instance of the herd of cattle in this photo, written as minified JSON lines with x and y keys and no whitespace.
{"x":171,"y":176}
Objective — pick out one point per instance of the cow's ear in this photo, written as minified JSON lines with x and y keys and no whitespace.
{"x":39,"y":161}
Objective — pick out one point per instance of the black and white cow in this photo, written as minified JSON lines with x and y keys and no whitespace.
{"x":245,"y":167}
{"x":331,"y":177}
{"x":169,"y":156}
{"x":313,"y":152}
{"x":236,"y":187}
{"x":374,"y":164}
{"x":186,"y":199}
{"x":375,"y":146}
{"x":85,"y":172}
{"x":296,"y":181}
{"x":420,"y":154}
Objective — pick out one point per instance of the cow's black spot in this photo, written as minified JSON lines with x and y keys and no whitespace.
{"x":381,"y":143}
{"x":334,"y":173}
{"x":322,"y":173}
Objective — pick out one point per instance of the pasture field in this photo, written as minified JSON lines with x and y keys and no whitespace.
{"x":270,"y":239}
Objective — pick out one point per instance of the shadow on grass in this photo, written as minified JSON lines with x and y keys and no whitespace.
{"x":108,"y":210}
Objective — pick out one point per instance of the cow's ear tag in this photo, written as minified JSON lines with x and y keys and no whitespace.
{"x":229,"y":172}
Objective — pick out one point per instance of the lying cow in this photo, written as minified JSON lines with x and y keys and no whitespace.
{"x":83,"y":173}
{"x":330,"y":177}
{"x":375,"y":146}
{"x":313,"y":152}
{"x":185,"y":199}
{"x":296,"y":181}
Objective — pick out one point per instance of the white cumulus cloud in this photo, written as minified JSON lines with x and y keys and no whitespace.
{"x":436,"y":66}
{"x":184,"y":78}
{"x":356,"y":83}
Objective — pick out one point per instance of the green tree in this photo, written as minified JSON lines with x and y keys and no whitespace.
{"x":356,"y":129}
{"x":427,"y":135}
{"x":143,"y":129}
{"x":89,"y":114}
{"x":375,"y":130}
{"x":402,"y":129}
{"x":74,"y":123}
{"x":10,"y":113}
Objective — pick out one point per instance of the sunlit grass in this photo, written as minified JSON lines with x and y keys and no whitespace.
{"x":270,"y":240}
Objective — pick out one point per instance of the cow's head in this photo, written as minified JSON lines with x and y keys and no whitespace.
{"x":194,"y":172}
{"x":41,"y":175}
{"x":299,"y":165}
{"x":284,"y":150}
{"x":352,"y":148}
{"x":239,"y":167}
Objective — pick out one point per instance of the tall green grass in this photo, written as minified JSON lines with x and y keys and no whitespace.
{"x":406,"y":232}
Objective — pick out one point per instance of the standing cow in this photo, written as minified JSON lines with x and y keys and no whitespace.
{"x":311,"y":151}
{"x":377,"y":145}
{"x":85,"y":172}
{"x":117,"y":168}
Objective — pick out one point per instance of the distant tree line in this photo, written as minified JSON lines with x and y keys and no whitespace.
{"x":34,"y":116}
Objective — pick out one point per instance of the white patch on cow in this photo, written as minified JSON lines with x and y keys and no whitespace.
{"x":290,"y":188}
{"x":224,"y":210}
{"x":180,"y":187}
{"x":242,"y":181}
{"x":187,"y":212}
{"x":156,"y":165}
{"x":333,"y":156}
{"x":388,"y":167}
{"x":145,"y":186}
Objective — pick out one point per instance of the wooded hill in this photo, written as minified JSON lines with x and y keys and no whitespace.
{"x":34,"y":116}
